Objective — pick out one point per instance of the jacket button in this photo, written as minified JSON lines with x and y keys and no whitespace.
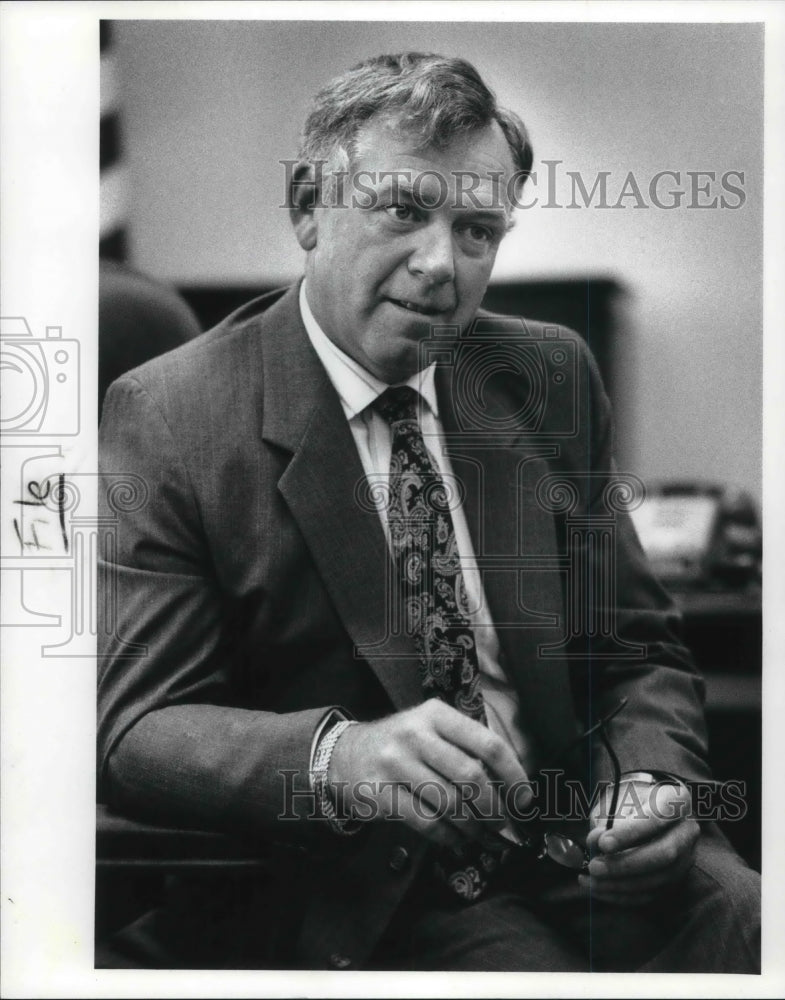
{"x":340,"y":961}
{"x":399,"y":859}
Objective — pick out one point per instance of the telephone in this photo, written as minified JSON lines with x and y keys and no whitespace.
{"x":701,"y":535}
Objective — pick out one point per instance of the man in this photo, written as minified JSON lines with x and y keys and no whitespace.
{"x":341,"y":614}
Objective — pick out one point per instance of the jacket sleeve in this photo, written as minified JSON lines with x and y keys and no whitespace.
{"x":629,"y":645}
{"x":173,"y":746}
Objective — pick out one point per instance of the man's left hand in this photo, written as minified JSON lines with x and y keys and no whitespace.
{"x":650,"y":846}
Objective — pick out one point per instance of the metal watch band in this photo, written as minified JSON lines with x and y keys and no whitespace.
{"x":321,"y":766}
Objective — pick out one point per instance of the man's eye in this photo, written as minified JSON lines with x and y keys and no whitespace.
{"x":479,"y":234}
{"x":403,"y":213}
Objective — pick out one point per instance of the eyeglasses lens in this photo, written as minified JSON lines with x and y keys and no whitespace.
{"x":564,"y":851}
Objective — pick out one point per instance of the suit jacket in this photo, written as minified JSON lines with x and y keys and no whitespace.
{"x":245,"y":585}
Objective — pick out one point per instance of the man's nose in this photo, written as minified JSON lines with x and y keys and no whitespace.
{"x":433,"y":256}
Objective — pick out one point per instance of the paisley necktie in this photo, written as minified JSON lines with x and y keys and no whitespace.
{"x":433,"y":599}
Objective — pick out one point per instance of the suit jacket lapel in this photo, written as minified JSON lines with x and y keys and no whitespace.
{"x":514,"y":540}
{"x":512,"y":535}
{"x":322,"y":486}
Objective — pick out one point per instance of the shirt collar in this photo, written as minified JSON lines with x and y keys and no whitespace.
{"x":356,"y":387}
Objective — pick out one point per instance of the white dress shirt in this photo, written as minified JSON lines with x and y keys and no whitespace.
{"x":357,"y":390}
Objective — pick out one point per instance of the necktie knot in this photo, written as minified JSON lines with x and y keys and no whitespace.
{"x":398,"y":403}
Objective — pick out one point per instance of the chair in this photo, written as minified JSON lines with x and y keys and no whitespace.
{"x":138,"y":319}
{"x":133,"y":860}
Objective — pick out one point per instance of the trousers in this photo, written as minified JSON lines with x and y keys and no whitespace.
{"x":709,"y":923}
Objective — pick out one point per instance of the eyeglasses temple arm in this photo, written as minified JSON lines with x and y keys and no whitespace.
{"x":616,"y":777}
{"x":599,"y":725}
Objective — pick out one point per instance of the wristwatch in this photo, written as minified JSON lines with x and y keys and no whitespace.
{"x":652,"y":778}
{"x":320,"y":767}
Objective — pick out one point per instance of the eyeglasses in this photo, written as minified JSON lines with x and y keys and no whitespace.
{"x":558,"y":847}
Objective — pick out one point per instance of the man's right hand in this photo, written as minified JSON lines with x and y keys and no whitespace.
{"x":418,"y":764}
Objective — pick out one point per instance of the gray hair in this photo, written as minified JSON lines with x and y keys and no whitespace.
{"x":435,"y":97}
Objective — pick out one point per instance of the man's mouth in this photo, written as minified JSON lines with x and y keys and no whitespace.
{"x":421,"y":308}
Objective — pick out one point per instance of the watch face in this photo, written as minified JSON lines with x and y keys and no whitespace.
{"x":640,"y":777}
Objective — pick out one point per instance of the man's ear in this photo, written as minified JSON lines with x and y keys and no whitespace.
{"x":304,"y":194}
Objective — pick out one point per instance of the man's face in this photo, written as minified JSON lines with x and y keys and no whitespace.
{"x":419,"y":254}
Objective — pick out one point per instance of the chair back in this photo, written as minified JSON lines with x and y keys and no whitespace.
{"x":138,"y":319}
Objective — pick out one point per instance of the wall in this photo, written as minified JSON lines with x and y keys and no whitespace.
{"x":211,"y":107}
